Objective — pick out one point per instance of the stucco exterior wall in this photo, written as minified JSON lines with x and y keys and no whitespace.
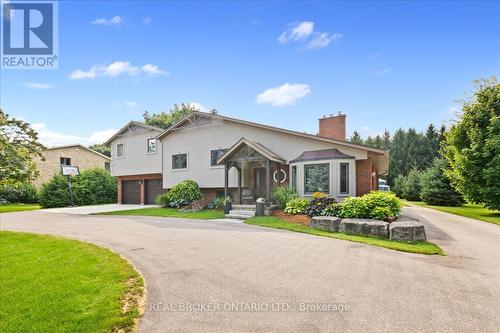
{"x":198,"y":141}
{"x":80,"y":157}
{"x":136,"y":159}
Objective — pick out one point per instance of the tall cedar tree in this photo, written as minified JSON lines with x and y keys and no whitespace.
{"x":436,"y":187}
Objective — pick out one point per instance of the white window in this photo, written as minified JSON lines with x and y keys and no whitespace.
{"x":215,"y":155}
{"x":317,"y":178}
{"x":151,"y":146}
{"x":344,"y":178}
{"x":179,"y":161}
{"x":119,"y":150}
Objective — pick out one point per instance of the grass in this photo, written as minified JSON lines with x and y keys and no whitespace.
{"x":51,"y":284}
{"x":19,"y":207}
{"x":468,"y":210}
{"x":420,"y":247}
{"x":171,"y":212}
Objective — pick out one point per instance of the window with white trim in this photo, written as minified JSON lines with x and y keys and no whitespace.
{"x":179,"y":161}
{"x":119,"y":150}
{"x":344,"y":178}
{"x":215,"y":155}
{"x":151,"y":146}
{"x":317,"y":178}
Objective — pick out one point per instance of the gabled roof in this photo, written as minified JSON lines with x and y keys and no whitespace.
{"x":124,"y":128}
{"x":324,"y":154}
{"x":261,"y":149}
{"x":79,"y":146}
{"x":272,"y":128}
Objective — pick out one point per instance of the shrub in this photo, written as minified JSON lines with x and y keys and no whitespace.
{"x":296,"y":206}
{"x":284,"y":194}
{"x":18,"y":192}
{"x":334,"y":209}
{"x":355,"y":208}
{"x":181,"y":194}
{"x":398,"y":186}
{"x":376,"y":205}
{"x":316,"y":206}
{"x":55,"y":193}
{"x":217,"y":203}
{"x":318,"y":195}
{"x":411,"y":185}
{"x":436,"y":187}
{"x":92,"y":187}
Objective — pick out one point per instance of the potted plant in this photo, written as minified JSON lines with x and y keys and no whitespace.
{"x":228,"y":204}
{"x":260,"y":206}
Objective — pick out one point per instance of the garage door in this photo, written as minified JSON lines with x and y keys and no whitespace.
{"x":153,"y":189}
{"x":131,"y":192}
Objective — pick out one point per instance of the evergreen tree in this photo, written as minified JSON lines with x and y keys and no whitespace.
{"x":377,"y":142}
{"x":356,"y":138}
{"x":412,"y":186}
{"x":436,"y":187}
{"x":386,"y":140}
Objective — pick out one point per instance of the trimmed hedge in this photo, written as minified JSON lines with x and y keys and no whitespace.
{"x":92,"y":187}
{"x":18,"y":193}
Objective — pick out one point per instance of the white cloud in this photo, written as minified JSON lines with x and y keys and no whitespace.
{"x":114,"y":69}
{"x":147,"y":20}
{"x":130,"y":104}
{"x":199,"y":106}
{"x":296,"y":31}
{"x":51,"y":138}
{"x":286,"y":94}
{"x":322,"y":39}
{"x":116,"y":20}
{"x":366,"y":131}
{"x":38,"y":86}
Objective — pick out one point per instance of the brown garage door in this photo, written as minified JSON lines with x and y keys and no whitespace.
{"x":153,"y":189}
{"x":131,"y":192}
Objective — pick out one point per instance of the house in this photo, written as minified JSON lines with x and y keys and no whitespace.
{"x":229,"y":156}
{"x":74,"y":154}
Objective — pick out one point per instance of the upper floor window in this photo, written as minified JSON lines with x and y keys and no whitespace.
{"x":215,"y":155}
{"x":65,"y":161}
{"x":151,"y":146}
{"x":317,"y":178}
{"x":119,"y":150}
{"x":179,"y":161}
{"x":344,"y":178}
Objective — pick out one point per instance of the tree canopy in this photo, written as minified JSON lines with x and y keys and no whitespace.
{"x":19,"y":147}
{"x":167,"y":119}
{"x":102,"y":149}
{"x":472,"y":146}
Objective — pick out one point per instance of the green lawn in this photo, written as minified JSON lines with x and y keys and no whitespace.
{"x":171,"y":212}
{"x":274,"y":222}
{"x":468,"y":210}
{"x":51,"y":284}
{"x":18,"y":207}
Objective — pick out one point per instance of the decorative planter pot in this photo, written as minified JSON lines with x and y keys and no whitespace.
{"x":227,"y":207}
{"x":260,"y":207}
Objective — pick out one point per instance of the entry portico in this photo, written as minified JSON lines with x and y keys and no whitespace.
{"x":255,"y":164}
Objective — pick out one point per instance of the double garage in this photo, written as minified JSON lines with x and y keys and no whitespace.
{"x":140,"y":191}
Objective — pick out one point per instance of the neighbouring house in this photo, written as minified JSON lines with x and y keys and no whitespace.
{"x":74,"y":154}
{"x":229,"y":156}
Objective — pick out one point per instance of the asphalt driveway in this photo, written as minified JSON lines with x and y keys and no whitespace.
{"x":217,"y":276}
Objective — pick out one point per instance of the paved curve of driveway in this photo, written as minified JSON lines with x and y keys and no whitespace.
{"x":208,"y":263}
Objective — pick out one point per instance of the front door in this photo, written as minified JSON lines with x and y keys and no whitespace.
{"x":259,"y":182}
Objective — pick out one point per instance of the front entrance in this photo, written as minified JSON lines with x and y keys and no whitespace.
{"x":259,"y":182}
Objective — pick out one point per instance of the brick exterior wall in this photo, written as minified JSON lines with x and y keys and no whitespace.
{"x":80,"y":157}
{"x":365,"y":181}
{"x":333,"y":127}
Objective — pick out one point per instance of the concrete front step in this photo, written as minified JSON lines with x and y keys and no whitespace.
{"x":242,"y":212}
{"x":238,"y":216}
{"x":243,"y":207}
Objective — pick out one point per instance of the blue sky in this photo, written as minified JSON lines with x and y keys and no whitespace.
{"x":384,"y":64}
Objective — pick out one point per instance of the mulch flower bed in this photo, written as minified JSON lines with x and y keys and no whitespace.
{"x":297,"y":219}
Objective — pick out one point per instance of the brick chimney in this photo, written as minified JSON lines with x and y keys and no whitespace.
{"x":333,"y":126}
